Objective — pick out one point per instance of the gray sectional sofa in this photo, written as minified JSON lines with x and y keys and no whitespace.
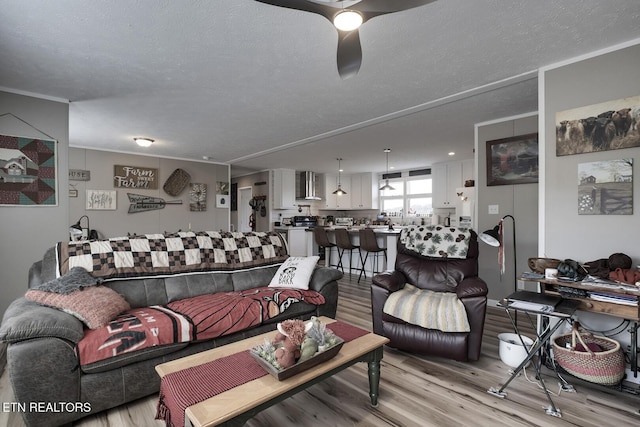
{"x":41,"y":354}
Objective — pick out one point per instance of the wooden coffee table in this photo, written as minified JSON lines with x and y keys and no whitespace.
{"x":236,"y":406}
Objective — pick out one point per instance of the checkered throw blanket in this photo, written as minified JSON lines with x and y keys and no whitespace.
{"x":169,"y":254}
{"x":437,"y":240}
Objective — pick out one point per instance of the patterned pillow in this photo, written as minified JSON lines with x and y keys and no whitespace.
{"x":95,"y":306}
{"x":295,"y":272}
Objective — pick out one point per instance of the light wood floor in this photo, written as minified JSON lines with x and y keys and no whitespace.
{"x":414,"y":391}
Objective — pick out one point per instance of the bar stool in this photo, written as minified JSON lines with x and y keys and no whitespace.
{"x":369,"y":244}
{"x":343,"y":241}
{"x":320,"y":234}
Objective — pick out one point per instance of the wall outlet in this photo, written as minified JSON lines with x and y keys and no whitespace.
{"x":494,"y":209}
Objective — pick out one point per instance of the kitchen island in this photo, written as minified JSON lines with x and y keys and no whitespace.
{"x":386,"y":239}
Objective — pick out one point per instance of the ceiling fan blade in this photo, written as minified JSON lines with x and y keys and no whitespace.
{"x":380,"y":7}
{"x":305,"y":6}
{"x":349,"y":53}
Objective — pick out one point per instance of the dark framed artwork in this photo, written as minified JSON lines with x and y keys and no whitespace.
{"x":513,"y":160}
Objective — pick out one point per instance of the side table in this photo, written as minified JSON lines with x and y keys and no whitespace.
{"x":562,"y":312}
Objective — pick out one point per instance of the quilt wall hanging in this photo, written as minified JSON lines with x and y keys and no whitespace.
{"x":28,"y":171}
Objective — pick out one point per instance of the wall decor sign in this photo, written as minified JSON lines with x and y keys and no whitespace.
{"x":101,"y":200}
{"x":605,"y":187}
{"x":606,"y":126}
{"x":140,"y":203}
{"x":513,"y":160}
{"x":28,"y":171}
{"x":198,"y":197}
{"x":135,"y":177}
{"x":79,"y":175}
{"x":222,"y":201}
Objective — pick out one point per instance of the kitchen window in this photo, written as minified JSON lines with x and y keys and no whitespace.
{"x":411,"y":197}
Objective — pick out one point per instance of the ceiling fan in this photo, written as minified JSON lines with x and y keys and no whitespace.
{"x":355,"y":13}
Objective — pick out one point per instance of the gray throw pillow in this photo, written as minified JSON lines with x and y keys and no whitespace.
{"x":76,"y":278}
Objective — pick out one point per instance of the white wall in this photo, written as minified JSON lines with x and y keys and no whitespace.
{"x":26,"y":232}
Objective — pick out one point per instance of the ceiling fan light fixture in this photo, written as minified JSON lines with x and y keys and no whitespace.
{"x":347,"y":20}
{"x":143,"y":142}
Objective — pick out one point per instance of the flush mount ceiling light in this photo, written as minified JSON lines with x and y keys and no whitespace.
{"x":347,"y":20}
{"x":143,"y":142}
{"x":386,"y":185}
{"x":339,"y":191}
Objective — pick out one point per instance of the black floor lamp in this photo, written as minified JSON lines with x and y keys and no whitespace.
{"x":494,"y":237}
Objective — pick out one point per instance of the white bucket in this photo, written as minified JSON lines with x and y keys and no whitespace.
{"x":512,"y":352}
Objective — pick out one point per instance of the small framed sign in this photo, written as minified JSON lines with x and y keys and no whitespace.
{"x":79,"y":175}
{"x":222,"y":200}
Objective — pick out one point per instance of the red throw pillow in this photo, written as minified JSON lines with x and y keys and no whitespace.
{"x":95,"y":306}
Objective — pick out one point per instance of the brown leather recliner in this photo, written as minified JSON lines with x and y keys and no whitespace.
{"x":441,"y":275}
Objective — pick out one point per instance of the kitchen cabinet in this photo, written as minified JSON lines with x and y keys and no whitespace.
{"x":296,"y":238}
{"x":283,"y":186}
{"x":446,"y":178}
{"x":364,"y":189}
{"x":333,"y":201}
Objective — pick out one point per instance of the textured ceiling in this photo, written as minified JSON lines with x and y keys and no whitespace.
{"x":256,"y":85}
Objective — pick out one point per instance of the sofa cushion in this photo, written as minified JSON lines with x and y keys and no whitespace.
{"x":144,"y":333}
{"x":136,"y":334}
{"x":94,"y":306}
{"x":295,"y":272}
{"x":27,"y":320}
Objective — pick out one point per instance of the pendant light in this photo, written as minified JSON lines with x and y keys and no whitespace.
{"x":386,"y":185}
{"x":339,"y":191}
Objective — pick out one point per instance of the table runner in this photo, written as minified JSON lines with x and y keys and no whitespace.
{"x":181,"y":389}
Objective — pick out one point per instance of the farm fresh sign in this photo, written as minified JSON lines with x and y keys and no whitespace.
{"x":135,"y":177}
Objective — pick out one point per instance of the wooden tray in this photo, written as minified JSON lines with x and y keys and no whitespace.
{"x":299,"y":367}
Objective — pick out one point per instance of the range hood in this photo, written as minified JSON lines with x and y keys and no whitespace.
{"x":306,"y":186}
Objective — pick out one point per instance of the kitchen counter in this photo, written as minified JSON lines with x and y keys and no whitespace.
{"x":386,"y":239}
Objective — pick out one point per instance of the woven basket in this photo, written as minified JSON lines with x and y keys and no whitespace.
{"x":176,"y":182}
{"x":602,"y":367}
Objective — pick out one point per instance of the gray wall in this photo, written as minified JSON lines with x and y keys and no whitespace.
{"x":28,"y":231}
{"x":520,"y":201}
{"x":564,"y":233}
{"x":170,"y":218}
{"x":607,"y":77}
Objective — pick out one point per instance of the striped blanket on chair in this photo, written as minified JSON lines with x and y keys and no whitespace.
{"x":428,"y":309}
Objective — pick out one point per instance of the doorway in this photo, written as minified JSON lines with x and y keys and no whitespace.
{"x":245,"y":194}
